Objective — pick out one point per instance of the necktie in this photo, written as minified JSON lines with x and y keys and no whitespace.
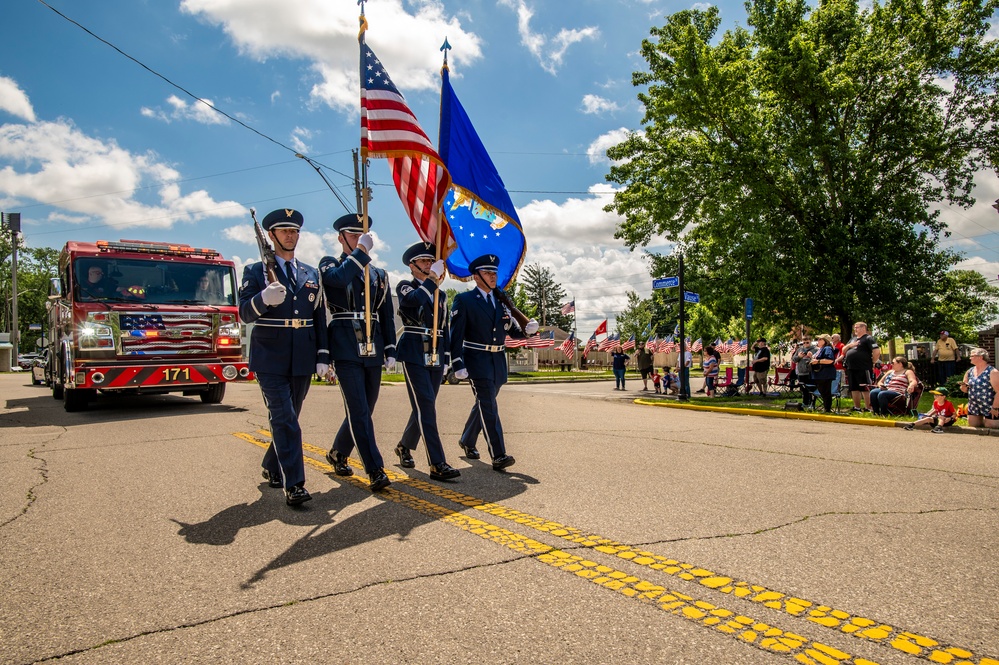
{"x":489,"y":299}
{"x":290,"y":269}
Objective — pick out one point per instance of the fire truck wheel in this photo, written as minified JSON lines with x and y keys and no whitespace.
{"x":214,"y":394}
{"x":75,"y":399}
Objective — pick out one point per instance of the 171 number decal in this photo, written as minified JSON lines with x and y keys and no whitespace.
{"x":176,"y":373}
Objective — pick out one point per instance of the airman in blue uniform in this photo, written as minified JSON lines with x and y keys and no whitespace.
{"x":358,"y":358}
{"x":479,"y":327}
{"x":288,"y":344}
{"x":423,"y":359}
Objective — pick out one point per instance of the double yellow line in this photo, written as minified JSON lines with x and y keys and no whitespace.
{"x":746,"y":629}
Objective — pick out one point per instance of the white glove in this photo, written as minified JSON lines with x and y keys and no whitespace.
{"x":437,"y":269}
{"x":365,"y":242}
{"x":447,"y":367}
{"x":322,"y":369}
{"x":389,"y":363}
{"x":274,"y":294}
{"x":461,"y":374}
{"x":531,"y":328}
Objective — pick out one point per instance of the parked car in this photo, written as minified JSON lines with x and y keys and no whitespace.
{"x":24,"y":360}
{"x":38,"y":367}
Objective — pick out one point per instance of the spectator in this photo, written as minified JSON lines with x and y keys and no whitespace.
{"x":942,"y":414}
{"x":620,"y":359}
{"x":945,"y":355}
{"x":860,"y":354}
{"x":643,"y":359}
{"x":657,"y":380}
{"x":802,"y":359}
{"x":688,"y":360}
{"x":897,"y":382}
{"x":837,"y":346}
{"x":761,"y":365}
{"x":981,"y":382}
{"x":824,"y":370}
{"x":670,"y":382}
{"x":710,"y":368}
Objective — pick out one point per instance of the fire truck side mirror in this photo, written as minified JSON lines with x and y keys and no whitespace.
{"x":55,"y":287}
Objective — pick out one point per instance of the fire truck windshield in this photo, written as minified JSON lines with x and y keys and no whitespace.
{"x":155,"y":282}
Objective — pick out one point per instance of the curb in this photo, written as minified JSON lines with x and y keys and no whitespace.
{"x":795,"y":415}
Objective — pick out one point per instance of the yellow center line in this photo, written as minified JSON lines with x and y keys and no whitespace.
{"x":905,"y":641}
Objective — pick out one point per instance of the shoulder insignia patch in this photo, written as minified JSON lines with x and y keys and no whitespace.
{"x":405,"y":289}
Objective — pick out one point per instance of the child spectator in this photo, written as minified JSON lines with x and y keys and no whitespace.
{"x":943,"y":414}
{"x":657,"y":381}
{"x":671,"y":381}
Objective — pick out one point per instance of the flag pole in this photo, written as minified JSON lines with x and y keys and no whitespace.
{"x":368,"y":346}
{"x":438,"y":249}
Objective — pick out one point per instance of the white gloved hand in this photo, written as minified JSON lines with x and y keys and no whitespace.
{"x":531,"y":328}
{"x":322,"y":369}
{"x":389,"y":363}
{"x":365,"y":242}
{"x":274,"y":294}
{"x":437,"y":269}
{"x":461,"y":374}
{"x":447,"y":367}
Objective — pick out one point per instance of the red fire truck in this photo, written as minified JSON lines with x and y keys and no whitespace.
{"x":142,"y":317}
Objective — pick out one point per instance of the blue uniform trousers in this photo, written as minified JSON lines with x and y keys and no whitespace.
{"x":423,"y":383}
{"x":283,"y":397}
{"x":484,"y":417}
{"x":359,"y":386}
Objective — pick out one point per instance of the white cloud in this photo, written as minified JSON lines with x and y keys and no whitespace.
{"x":54,"y":162}
{"x":13,"y":100}
{"x":325,"y":34}
{"x":595,"y":105}
{"x":181,"y":110}
{"x":597,"y":151}
{"x":702,"y":6}
{"x":312,"y":245}
{"x":550,"y":52}
{"x":299,"y":136}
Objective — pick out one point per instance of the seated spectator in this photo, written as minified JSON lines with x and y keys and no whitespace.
{"x":899,"y":381}
{"x":671,"y":382}
{"x":942,"y":414}
{"x":981,"y":382}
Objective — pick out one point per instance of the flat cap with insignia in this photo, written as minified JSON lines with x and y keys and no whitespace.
{"x":286,"y":218}
{"x":350,"y":223}
{"x":489,"y":262}
{"x":420,"y":250}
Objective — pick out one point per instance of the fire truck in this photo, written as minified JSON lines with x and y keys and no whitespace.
{"x":142,"y":318}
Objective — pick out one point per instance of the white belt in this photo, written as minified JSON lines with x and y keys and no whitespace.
{"x":284,"y":323}
{"x":492,"y":348}
{"x":351,"y":316}
{"x":421,"y":331}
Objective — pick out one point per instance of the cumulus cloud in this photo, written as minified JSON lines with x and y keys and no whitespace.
{"x":91,"y":178}
{"x":597,"y":151}
{"x":312,"y":246}
{"x":325,"y":34}
{"x":13,"y":100}
{"x":181,"y":110}
{"x":595,"y":105}
{"x":299,"y":136}
{"x":549,"y":51}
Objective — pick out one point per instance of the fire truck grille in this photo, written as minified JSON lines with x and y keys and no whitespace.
{"x":163,"y":334}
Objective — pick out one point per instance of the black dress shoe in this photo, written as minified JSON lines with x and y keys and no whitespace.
{"x":297,"y":495}
{"x":502,"y":462}
{"x":405,"y":459}
{"x":443,"y":471}
{"x":272,"y":481}
{"x":339,"y":464}
{"x":470,"y":451}
{"x":379,"y":481}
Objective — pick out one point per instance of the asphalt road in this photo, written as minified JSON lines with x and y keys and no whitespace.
{"x":141,"y":531}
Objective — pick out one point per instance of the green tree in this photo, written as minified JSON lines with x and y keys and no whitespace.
{"x":965,"y":304}
{"x":546,"y":296}
{"x":799,"y":161}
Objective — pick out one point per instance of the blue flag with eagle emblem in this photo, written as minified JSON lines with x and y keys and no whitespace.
{"x":479,"y":210}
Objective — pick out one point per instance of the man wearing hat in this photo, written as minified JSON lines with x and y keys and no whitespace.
{"x":761,"y":365}
{"x":945,"y":355}
{"x":287,"y":345}
{"x":358,"y":370}
{"x":423,"y":362}
{"x":479,"y":326}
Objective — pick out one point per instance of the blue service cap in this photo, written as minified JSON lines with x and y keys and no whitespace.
{"x":488,"y":262}
{"x":420,"y":250}
{"x":350,"y":223}
{"x":285,"y":218}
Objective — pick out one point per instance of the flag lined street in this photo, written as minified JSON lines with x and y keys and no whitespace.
{"x":141,"y":531}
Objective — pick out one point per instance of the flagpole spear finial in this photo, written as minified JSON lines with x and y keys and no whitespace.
{"x":445,"y":47}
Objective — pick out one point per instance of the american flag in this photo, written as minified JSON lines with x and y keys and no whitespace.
{"x":515,"y":342}
{"x":667,"y":345}
{"x":608,"y":343}
{"x":720,"y":346}
{"x":590,"y":344}
{"x":543,"y":340}
{"x":568,"y":308}
{"x":696,"y":346}
{"x":568,"y":347}
{"x":730,"y":344}
{"x":389,"y":129}
{"x":652,"y":345}
{"x":629,"y":344}
{"x":740,"y":347}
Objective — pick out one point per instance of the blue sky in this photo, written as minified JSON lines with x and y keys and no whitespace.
{"x":93,"y":146}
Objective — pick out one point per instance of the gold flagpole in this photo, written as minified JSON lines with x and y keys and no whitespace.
{"x":369,"y":347}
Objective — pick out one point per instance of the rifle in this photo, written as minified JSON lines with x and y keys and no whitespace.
{"x":266,"y":252}
{"x":519,"y":316}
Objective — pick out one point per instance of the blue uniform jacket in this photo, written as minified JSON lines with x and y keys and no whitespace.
{"x":416,"y":309}
{"x":343,"y":283}
{"x":474,"y":320}
{"x":275,"y":349}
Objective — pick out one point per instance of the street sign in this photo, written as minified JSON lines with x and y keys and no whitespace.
{"x":691,"y":297}
{"x":749,"y":309}
{"x":34,"y":326}
{"x":665,"y":282}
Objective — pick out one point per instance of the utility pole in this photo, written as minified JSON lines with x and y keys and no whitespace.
{"x":13,"y":220}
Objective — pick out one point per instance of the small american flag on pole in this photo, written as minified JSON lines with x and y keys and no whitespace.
{"x":629,"y":344}
{"x":696,"y":346}
{"x":568,"y":308}
{"x":590,"y":344}
{"x":543,"y":340}
{"x":568,"y":347}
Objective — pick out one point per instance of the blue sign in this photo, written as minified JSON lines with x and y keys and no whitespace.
{"x":691,"y":297}
{"x":749,"y":309}
{"x":665,"y":282}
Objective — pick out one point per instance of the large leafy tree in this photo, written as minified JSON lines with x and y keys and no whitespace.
{"x":799,"y":161}
{"x":545,"y":295}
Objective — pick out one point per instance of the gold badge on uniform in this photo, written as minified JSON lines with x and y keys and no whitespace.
{"x":312,"y":297}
